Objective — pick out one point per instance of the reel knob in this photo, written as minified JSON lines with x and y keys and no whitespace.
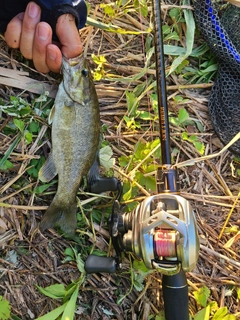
{"x":95,"y":264}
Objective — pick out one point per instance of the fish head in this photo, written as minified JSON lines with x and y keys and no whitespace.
{"x":77,"y":78}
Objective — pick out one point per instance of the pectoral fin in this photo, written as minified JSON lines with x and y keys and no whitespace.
{"x":51,"y":115}
{"x":48,"y":171}
{"x":93,"y":174}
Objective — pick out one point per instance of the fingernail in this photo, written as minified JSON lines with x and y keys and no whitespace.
{"x":20,"y":16}
{"x":51,"y":54}
{"x":33,"y":10}
{"x":43,"y":32}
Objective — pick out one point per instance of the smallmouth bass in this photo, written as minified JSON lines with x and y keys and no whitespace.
{"x":75,"y":141}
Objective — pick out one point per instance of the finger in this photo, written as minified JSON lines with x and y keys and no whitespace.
{"x":31,"y":19}
{"x":68,"y":36}
{"x":54,"y":58}
{"x":42,"y":38}
{"x":13,"y":31}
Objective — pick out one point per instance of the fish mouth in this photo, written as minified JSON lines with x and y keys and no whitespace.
{"x":72,"y":62}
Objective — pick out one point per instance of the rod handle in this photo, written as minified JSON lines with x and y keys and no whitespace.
{"x":175,"y":296}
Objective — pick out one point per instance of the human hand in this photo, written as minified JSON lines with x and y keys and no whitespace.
{"x":34,"y":38}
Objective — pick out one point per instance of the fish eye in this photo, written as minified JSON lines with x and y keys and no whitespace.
{"x":85,"y":72}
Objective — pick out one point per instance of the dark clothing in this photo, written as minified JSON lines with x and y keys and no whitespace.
{"x":51,"y":11}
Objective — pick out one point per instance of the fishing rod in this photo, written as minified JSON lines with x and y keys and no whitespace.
{"x":162,"y":229}
{"x":174,"y":286}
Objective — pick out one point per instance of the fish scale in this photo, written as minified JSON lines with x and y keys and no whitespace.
{"x":75,"y":141}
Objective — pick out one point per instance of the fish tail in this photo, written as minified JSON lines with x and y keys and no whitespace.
{"x":62,"y":216}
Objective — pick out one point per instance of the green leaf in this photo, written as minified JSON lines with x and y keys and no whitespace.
{"x":9,"y":151}
{"x":181,"y":66}
{"x":151,"y":184}
{"x":70,"y":290}
{"x":142,"y":6}
{"x":33,"y":126}
{"x":79,"y":260}
{"x":68,"y":313}
{"x":178,"y":99}
{"x":175,"y":14}
{"x":5,"y":309}
{"x":238,"y":293}
{"x":160,"y":316}
{"x":69,"y":252}
{"x":127,"y":195}
{"x":54,"y":314}
{"x":123,"y":161}
{"x":7,"y":165}
{"x":139,"y":89}
{"x":99,"y":253}
{"x":176,"y":51}
{"x":172,"y":36}
{"x":28,"y":137}
{"x":80,"y":263}
{"x":42,"y":188}
{"x":190,"y":22}
{"x":139,"y":265}
{"x":145,"y":115}
{"x":55,"y":291}
{"x":185,"y":135}
{"x":166,"y":29}
{"x":173,"y":121}
{"x":120,"y":299}
{"x":108,"y":9}
{"x":148,"y":182}
{"x":14,"y":317}
{"x":129,"y":121}
{"x":131,"y":103}
{"x":203,"y":314}
{"x":105,"y":157}
{"x":199,"y":126}
{"x":182,"y":115}
{"x":19,"y":124}
{"x":213,"y":306}
{"x":138,"y":283}
{"x":230,"y":317}
{"x":193,"y":138}
{"x":202,"y":295}
{"x":199,"y":146}
{"x":35,"y":165}
{"x":221,"y":312}
{"x":139,"y":273}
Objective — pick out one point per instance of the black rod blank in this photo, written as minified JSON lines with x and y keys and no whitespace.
{"x":161,"y":85}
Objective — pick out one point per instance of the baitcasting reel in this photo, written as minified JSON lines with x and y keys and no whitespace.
{"x":161,"y":231}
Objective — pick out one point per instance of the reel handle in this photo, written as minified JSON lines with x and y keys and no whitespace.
{"x":175,"y":296}
{"x":96,"y":264}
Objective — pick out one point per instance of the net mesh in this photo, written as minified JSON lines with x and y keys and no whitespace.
{"x":223,"y":37}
